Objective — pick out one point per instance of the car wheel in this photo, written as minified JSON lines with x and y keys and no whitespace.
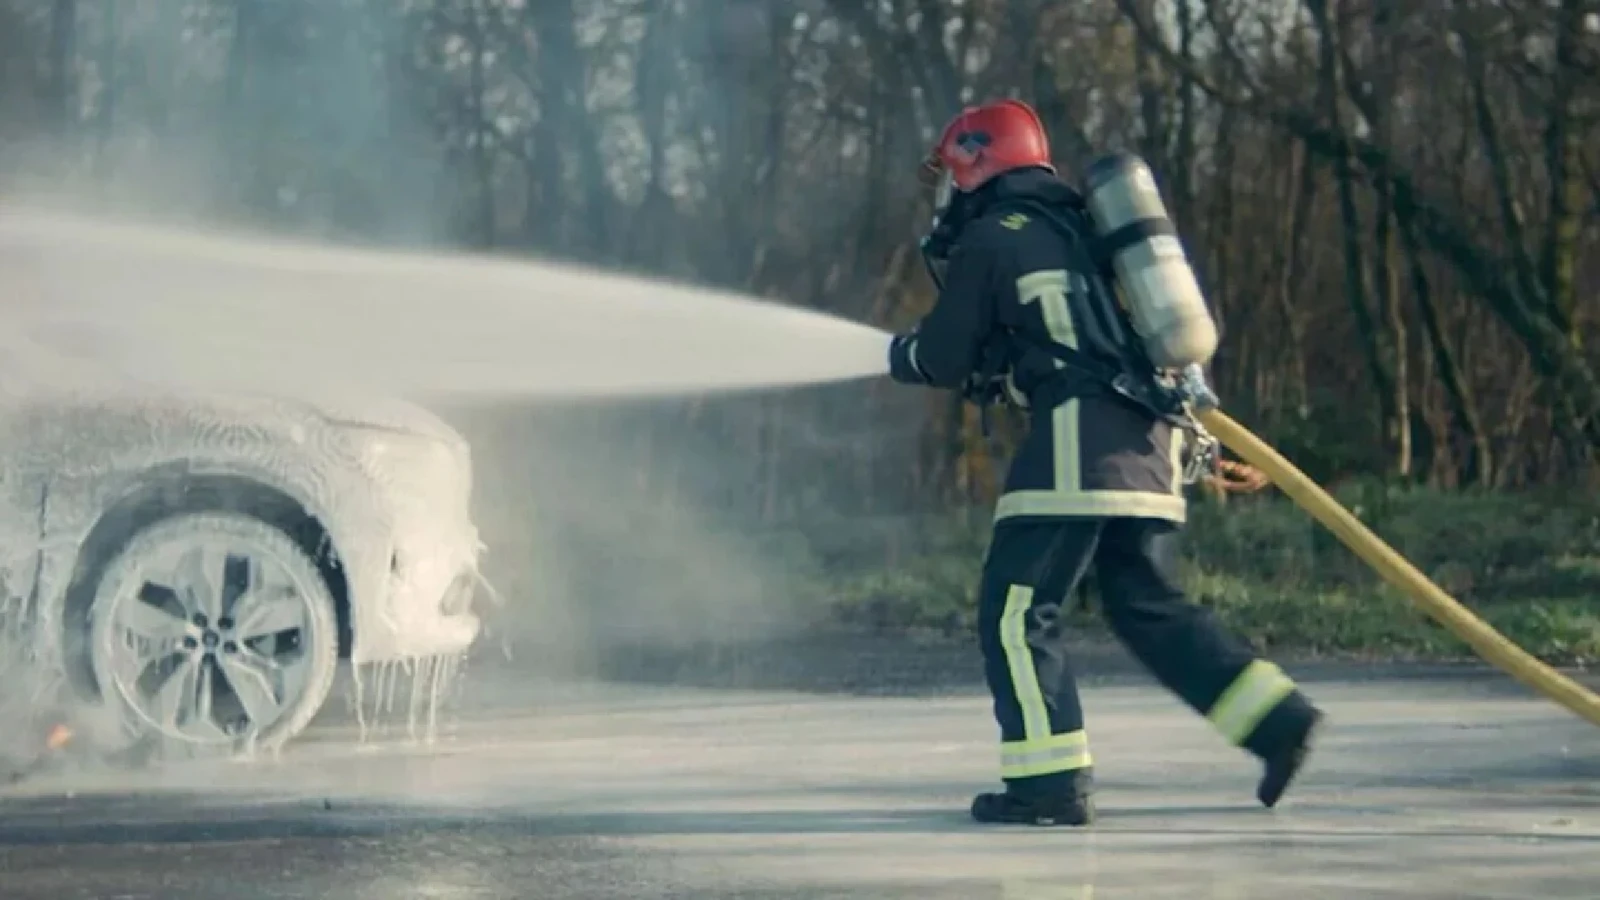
{"x":213,"y":631}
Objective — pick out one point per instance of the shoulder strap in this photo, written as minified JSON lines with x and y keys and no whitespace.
{"x":1088,"y":255}
{"x":1071,"y":223}
{"x":1134,"y":379}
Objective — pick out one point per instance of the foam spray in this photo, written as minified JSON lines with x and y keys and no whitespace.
{"x":98,"y":305}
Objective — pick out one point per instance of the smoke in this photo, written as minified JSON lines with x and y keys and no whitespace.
{"x":614,"y":527}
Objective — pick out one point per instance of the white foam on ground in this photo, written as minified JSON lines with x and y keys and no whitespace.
{"x":84,"y":298}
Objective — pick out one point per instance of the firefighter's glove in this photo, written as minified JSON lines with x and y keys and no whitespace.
{"x":985,"y":391}
{"x":1238,"y":478}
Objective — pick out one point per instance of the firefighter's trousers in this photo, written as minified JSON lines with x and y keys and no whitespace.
{"x":1029,"y":574}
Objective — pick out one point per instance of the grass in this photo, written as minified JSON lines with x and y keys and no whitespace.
{"x":1527,"y":564}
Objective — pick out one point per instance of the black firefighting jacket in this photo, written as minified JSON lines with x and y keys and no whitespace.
{"x":1013,"y":285}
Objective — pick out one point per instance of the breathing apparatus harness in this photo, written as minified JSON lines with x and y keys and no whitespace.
{"x":1169,"y":396}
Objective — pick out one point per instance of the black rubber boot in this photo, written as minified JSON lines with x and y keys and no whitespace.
{"x":1281,"y":767}
{"x":1010,"y":808}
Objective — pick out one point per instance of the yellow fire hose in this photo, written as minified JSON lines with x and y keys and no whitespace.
{"x":1396,"y":570}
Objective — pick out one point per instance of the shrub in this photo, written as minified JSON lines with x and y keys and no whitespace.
{"x":1528,"y":564}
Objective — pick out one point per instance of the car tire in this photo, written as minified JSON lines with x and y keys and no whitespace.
{"x":167,"y":642}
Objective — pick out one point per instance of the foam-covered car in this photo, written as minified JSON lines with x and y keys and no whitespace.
{"x":198,"y":565}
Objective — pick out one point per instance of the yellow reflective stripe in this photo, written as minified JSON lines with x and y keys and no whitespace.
{"x":1045,"y":756}
{"x":1019,"y":661}
{"x":1259,"y":688}
{"x":1039,"y":752}
{"x":1068,"y":476}
{"x":1140,"y":504}
{"x":1179,"y":439}
{"x":1051,"y":289}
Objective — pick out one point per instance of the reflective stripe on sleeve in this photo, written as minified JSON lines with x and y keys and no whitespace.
{"x":911,"y":357}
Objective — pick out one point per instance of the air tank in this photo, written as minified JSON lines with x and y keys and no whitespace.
{"x":1158,"y":285}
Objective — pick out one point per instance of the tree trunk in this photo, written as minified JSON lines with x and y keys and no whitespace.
{"x":1564,"y":140}
{"x":1304,"y":179}
{"x":1479,"y":468}
{"x":1355,"y":265}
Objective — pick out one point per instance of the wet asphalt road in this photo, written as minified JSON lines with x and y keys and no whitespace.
{"x":726,"y":785}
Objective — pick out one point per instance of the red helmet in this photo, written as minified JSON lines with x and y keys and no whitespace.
{"x":984,"y":141}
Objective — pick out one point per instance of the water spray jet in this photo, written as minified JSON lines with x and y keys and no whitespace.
{"x":127,"y":303}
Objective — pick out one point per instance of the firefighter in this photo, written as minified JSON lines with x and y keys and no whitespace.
{"x":1097,"y":481}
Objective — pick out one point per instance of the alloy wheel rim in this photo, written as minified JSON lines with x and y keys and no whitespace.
{"x":209,"y":641}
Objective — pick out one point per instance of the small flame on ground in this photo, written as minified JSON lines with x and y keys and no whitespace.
{"x":59,"y":737}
